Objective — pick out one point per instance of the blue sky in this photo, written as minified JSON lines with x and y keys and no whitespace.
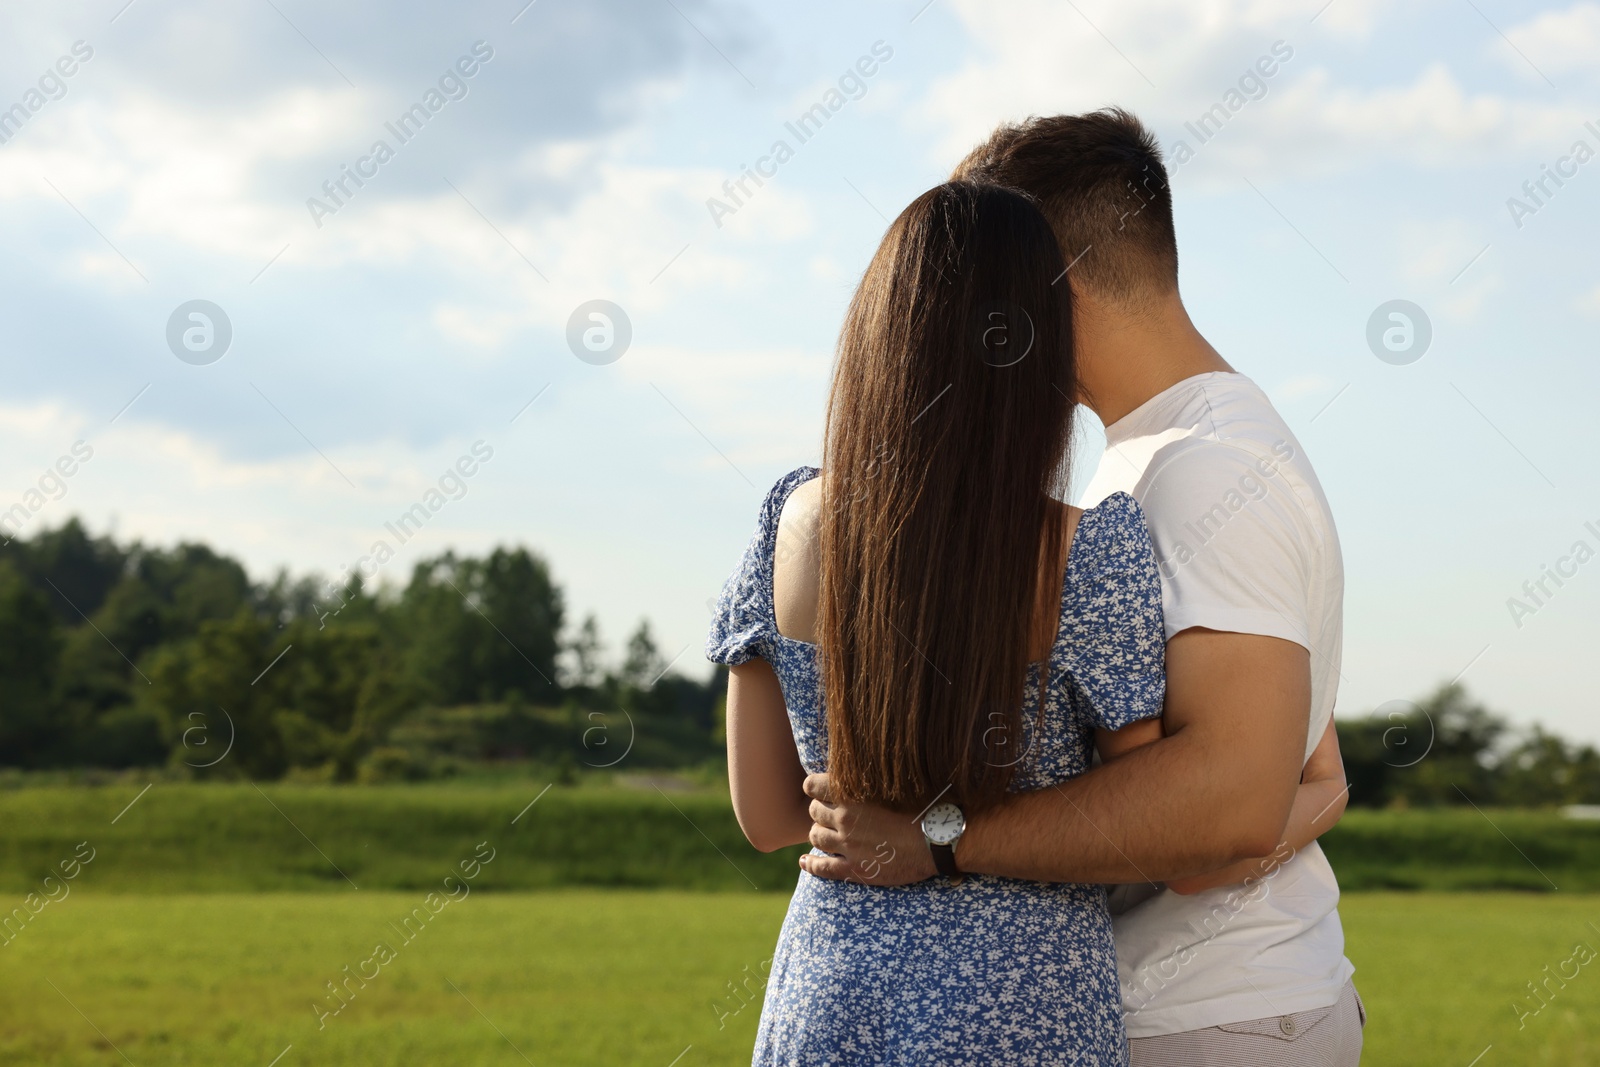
{"x":371,"y":351}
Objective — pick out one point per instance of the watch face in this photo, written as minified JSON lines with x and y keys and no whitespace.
{"x":943,"y":824}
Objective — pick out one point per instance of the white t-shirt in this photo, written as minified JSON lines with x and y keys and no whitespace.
{"x":1245,"y":543}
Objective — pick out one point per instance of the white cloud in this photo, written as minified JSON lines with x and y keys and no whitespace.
{"x":1346,"y":18}
{"x":151,"y":169}
{"x":161,"y":177}
{"x":1557,"y":42}
{"x":638,"y":235}
{"x":1433,"y":121}
{"x":759,"y":406}
{"x":156,"y":175}
{"x":164,"y":485}
{"x":1046,"y":59}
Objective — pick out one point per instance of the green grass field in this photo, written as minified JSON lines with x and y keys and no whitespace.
{"x":590,"y":977}
{"x":613,"y":925}
{"x":628,"y":977}
{"x":186,"y":838}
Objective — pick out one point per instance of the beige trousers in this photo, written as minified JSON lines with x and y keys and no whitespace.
{"x":1323,"y":1037}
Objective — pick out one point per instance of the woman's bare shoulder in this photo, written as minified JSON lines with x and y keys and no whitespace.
{"x":797,"y":562}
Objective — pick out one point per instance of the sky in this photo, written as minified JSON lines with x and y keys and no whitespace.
{"x":539,"y":157}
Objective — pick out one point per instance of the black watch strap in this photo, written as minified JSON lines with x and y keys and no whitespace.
{"x":944,"y":858}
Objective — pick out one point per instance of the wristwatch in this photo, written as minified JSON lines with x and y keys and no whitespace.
{"x":942,"y":827}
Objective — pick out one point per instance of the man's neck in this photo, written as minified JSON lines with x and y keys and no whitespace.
{"x":1126,"y":357}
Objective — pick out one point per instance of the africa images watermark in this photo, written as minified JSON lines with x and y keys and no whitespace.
{"x":1252,"y":85}
{"x":52,"y":85}
{"x":452,"y":485}
{"x":1538,"y":591}
{"x":1565,"y":168}
{"x":851,"y":85}
{"x":743,"y":995}
{"x":52,"y":485}
{"x":452,"y":86}
{"x":1552,"y":984}
{"x":12,"y":925}
{"x":1152,"y":978}
{"x":1247,"y":490}
{"x":341,"y":992}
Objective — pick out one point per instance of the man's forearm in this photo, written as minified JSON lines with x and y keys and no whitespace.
{"x":1217,"y":789}
{"x":1319,"y":803}
{"x":1163,"y":811}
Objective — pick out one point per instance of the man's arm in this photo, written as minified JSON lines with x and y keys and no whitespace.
{"x":1319,"y":804}
{"x":1218,"y":789}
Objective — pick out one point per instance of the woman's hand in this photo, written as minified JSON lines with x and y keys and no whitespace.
{"x":871,"y":844}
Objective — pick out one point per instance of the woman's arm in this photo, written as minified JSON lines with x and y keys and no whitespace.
{"x":1112,"y":744}
{"x":1318,"y":805}
{"x":764,"y":770}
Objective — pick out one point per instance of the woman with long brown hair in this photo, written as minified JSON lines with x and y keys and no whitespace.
{"x":925,"y":621}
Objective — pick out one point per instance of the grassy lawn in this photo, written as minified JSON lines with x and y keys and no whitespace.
{"x":1441,"y":973}
{"x":627,"y":977}
{"x":572,"y":978}
{"x":613,"y":924}
{"x":282,"y":837}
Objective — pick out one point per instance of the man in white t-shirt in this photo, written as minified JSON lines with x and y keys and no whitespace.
{"x":1239,"y":957}
{"x":1245,"y":543}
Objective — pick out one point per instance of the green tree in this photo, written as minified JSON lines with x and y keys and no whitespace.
{"x":1462,"y":761}
{"x":477,"y":630}
{"x":585,"y":651}
{"x":29,"y":648}
{"x":524,"y":608}
{"x":1443,"y":750}
{"x":161,"y":598}
{"x":73,"y":570}
{"x":441,"y":631}
{"x":338,"y":698}
{"x":215,"y":692}
{"x":1545,"y":770}
{"x":642,"y":664}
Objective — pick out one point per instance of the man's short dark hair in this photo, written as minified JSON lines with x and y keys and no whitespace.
{"x":1100,"y":181}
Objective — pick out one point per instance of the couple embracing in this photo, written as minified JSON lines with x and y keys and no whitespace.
{"x":1063,"y":770}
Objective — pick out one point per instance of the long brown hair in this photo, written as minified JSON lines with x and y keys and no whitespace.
{"x":948,"y":429}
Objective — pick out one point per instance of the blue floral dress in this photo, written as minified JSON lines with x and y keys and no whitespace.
{"x":994,"y":970}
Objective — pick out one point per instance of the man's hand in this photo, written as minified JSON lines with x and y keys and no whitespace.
{"x":871,"y":844}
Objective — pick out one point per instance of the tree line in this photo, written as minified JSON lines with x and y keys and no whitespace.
{"x":122,"y":655}
{"x":129,"y":655}
{"x":1449,"y":748}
